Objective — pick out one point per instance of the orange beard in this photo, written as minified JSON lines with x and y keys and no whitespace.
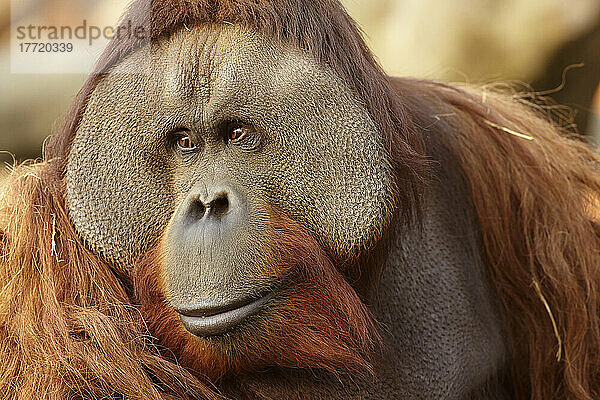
{"x":316,"y":320}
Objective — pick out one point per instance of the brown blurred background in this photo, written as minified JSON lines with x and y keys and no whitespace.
{"x":477,"y":41}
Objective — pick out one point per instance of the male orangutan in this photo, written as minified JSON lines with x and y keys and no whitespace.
{"x":243,"y":205}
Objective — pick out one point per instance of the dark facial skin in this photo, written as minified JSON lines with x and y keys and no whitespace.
{"x":213,"y":129}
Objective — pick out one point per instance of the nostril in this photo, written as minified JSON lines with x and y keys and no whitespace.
{"x":212,"y":206}
{"x":220,"y":205}
{"x":197,"y":209}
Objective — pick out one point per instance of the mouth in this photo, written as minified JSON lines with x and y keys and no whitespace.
{"x":211,"y":320}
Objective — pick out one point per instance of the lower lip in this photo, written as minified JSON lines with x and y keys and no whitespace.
{"x":219,"y":324}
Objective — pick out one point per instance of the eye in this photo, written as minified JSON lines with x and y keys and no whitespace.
{"x":236,"y":131}
{"x":183,"y":141}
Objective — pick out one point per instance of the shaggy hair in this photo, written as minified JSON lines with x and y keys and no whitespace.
{"x":69,"y":328}
{"x":536,"y":189}
{"x":534,"y":201}
{"x":319,"y":322}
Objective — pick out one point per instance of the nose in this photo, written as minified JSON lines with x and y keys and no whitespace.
{"x":213,"y":203}
{"x":214,"y":206}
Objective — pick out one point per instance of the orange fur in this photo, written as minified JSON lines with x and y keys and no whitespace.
{"x":67,"y":327}
{"x":532,"y":199}
{"x":315,"y":321}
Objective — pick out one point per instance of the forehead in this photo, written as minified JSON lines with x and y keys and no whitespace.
{"x":206,"y":73}
{"x":195,"y":59}
{"x":198,"y":63}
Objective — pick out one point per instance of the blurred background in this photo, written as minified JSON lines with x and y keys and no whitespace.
{"x":534,"y":42}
